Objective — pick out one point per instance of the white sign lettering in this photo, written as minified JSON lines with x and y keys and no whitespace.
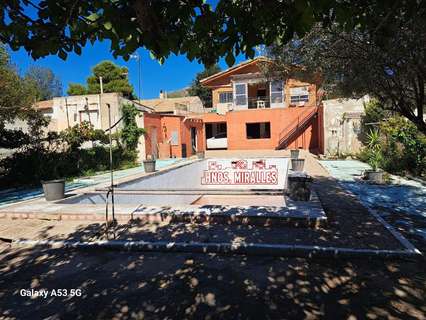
{"x":267,"y":173}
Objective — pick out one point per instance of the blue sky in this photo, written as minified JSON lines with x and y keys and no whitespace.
{"x":176,"y":73}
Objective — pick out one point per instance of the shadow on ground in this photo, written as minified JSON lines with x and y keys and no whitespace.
{"x":131,"y":285}
{"x":124,"y":285}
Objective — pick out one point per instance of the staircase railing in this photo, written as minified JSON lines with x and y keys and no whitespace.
{"x":288,"y":132}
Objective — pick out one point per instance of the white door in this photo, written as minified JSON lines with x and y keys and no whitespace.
{"x":240,"y":96}
{"x":276,"y":89}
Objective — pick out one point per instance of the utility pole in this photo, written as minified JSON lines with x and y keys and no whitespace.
{"x":138,"y":58}
{"x":66,"y":109}
{"x":111,"y":169}
{"x":87,"y":110}
{"x":101,"y":84}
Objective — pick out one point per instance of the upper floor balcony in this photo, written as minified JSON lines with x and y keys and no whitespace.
{"x":260,"y":94}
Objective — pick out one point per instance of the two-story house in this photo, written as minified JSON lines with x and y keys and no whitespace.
{"x":253,"y":112}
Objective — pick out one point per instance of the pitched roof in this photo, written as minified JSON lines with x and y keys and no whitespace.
{"x":233,"y":68}
{"x":170,"y":104}
{"x":43,"y":105}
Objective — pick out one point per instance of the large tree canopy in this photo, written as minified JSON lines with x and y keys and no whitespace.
{"x":386,"y":62}
{"x":114,"y":79}
{"x":47,"y":83}
{"x":16,"y":96}
{"x":191,"y":27}
{"x":196,"y":89}
{"x":76,"y":89}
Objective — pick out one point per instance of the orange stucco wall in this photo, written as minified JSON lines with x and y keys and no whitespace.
{"x":152,"y":122}
{"x":279,"y":119}
{"x":165,"y":125}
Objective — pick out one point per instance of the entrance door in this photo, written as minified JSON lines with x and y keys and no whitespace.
{"x":193,"y":140}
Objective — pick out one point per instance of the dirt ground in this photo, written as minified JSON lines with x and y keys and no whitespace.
{"x":123,"y":285}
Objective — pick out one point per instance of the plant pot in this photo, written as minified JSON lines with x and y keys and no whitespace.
{"x":297,"y":164}
{"x":298,"y":188}
{"x":54,"y":189}
{"x":375,"y":176}
{"x":200,"y":155}
{"x":294,"y":154}
{"x":149,"y":165}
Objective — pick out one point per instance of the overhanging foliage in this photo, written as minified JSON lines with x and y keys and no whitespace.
{"x":191,"y":27}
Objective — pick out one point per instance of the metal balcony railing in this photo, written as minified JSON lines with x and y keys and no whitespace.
{"x":252,"y":102}
{"x":259,"y":102}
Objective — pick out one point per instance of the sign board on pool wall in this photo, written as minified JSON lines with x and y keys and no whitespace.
{"x":259,"y":173}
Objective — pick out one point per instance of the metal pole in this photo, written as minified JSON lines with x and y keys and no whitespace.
{"x":68,"y":117}
{"x":87,"y":110}
{"x":111,"y":169}
{"x":140,"y":71}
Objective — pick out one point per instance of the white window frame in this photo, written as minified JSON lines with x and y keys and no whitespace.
{"x":228,"y":94}
{"x":301,"y":96}
{"x":245,"y":95}
{"x":271,"y":92}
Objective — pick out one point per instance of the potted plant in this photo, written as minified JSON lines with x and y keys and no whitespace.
{"x":294,"y":153}
{"x":375,"y":157}
{"x":297,"y":164}
{"x":149,"y":164}
{"x":200,"y":154}
{"x":375,"y":174}
{"x":54,"y":186}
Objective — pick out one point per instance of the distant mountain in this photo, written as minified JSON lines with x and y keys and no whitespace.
{"x":178,"y":93}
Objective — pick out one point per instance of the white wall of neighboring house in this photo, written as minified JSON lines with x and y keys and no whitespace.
{"x":73,"y":110}
{"x":69,"y":111}
{"x":342,"y":125}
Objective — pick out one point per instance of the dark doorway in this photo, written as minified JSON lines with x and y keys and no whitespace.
{"x":193,"y":140}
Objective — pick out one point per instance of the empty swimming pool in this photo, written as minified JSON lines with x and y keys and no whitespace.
{"x":247,"y":182}
{"x":222,"y":174}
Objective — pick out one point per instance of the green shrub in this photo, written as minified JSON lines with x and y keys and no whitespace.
{"x":397,"y":147}
{"x":131,"y":132}
{"x":391,"y":142}
{"x":374,"y":114}
{"x":404,"y":146}
{"x":59,"y":155}
{"x":30,"y":166}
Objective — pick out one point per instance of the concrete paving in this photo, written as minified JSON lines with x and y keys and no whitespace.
{"x":135,"y":285}
{"x":401,"y":202}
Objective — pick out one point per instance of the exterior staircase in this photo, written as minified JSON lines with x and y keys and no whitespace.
{"x":289,"y":133}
